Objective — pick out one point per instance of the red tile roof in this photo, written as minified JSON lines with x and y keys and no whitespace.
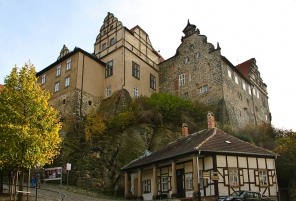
{"x":213,"y":141}
{"x":1,"y":86}
{"x":245,"y":67}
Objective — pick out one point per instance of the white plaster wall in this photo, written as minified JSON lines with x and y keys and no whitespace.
{"x":261,"y":163}
{"x":231,"y":161}
{"x":252,"y":162}
{"x":242,"y":162}
{"x":270,"y":163}
{"x":208,"y":163}
{"x":221,"y":161}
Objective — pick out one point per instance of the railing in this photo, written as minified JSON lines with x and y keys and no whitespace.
{"x":11,"y":192}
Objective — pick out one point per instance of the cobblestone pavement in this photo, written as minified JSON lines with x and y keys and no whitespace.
{"x":53,"y":193}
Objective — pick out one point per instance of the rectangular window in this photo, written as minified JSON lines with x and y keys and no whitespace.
{"x":229,"y":72}
{"x":244,"y":85}
{"x":135,"y":92}
{"x":200,"y":176}
{"x":186,"y":60}
{"x":152,"y":82}
{"x":112,"y":41}
{"x":258,"y":94}
{"x":236,"y":79}
{"x":203,"y":89}
{"x":233,"y":177}
{"x":188,"y":181}
{"x":109,"y":69}
{"x":196,"y":55}
{"x":186,"y":95}
{"x":146,"y":186}
{"x":67,"y":81}
{"x":104,"y":46}
{"x":108,"y":91}
{"x":250,"y":91}
{"x":164,"y":184}
{"x":57,"y":87}
{"x":59,"y":70}
{"x":43,"y":78}
{"x":263,"y":178}
{"x":182,"y":79}
{"x":68,"y":67}
{"x":136,"y":70}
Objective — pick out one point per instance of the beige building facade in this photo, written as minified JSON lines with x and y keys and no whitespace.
{"x":122,"y":58}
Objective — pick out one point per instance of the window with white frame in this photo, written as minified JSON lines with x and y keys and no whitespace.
{"x":203,"y":89}
{"x":108,"y":91}
{"x":244,"y":85}
{"x":250,"y":91}
{"x":67,"y":81}
{"x":43,"y":78}
{"x":146,"y":186}
{"x":229,"y":72}
{"x":104,"y":46}
{"x":135,"y":70}
{"x":182,"y":79}
{"x":136,"y":92}
{"x":164,"y":183}
{"x":68,"y":67}
{"x":236,"y":79}
{"x":258,"y":94}
{"x":233,"y":177}
{"x":58,"y":70}
{"x":186,"y":60}
{"x":57,"y":87}
{"x":109,"y":69}
{"x":152,"y":82}
{"x":112,"y":41}
{"x":200,"y":176}
{"x":188,"y":181}
{"x":263,"y":178}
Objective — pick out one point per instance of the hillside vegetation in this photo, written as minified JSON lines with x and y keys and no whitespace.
{"x":123,"y":129}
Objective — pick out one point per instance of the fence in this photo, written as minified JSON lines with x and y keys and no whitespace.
{"x":12,"y":192}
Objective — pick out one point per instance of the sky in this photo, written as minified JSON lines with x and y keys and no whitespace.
{"x":36,"y":30}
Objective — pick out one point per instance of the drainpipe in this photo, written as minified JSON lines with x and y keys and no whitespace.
{"x":82,"y":76}
{"x":254,"y":105}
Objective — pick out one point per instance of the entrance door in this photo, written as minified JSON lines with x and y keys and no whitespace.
{"x":180,"y":183}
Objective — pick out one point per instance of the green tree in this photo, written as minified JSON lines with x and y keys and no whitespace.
{"x":29,"y":126}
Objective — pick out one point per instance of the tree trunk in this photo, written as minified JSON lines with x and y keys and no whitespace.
{"x":21,"y":185}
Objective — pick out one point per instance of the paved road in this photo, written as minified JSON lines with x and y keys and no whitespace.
{"x":50,"y":193}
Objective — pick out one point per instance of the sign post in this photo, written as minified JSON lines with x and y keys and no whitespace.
{"x":68,"y":168}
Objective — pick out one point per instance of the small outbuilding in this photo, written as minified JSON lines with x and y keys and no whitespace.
{"x":208,"y":163}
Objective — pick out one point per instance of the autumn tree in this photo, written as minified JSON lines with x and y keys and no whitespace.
{"x":29,"y":126}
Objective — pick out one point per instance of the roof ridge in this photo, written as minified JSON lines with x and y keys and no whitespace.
{"x":213,"y":134}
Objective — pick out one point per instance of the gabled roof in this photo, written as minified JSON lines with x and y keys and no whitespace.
{"x":213,"y":141}
{"x":245,"y":67}
{"x":76,"y":50}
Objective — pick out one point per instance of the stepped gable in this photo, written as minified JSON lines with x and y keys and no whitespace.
{"x":211,"y":141}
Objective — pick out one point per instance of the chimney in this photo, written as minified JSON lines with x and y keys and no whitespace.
{"x":184,"y":130}
{"x":211,"y":120}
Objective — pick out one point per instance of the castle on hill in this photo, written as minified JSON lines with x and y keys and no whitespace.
{"x":125,"y":58}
